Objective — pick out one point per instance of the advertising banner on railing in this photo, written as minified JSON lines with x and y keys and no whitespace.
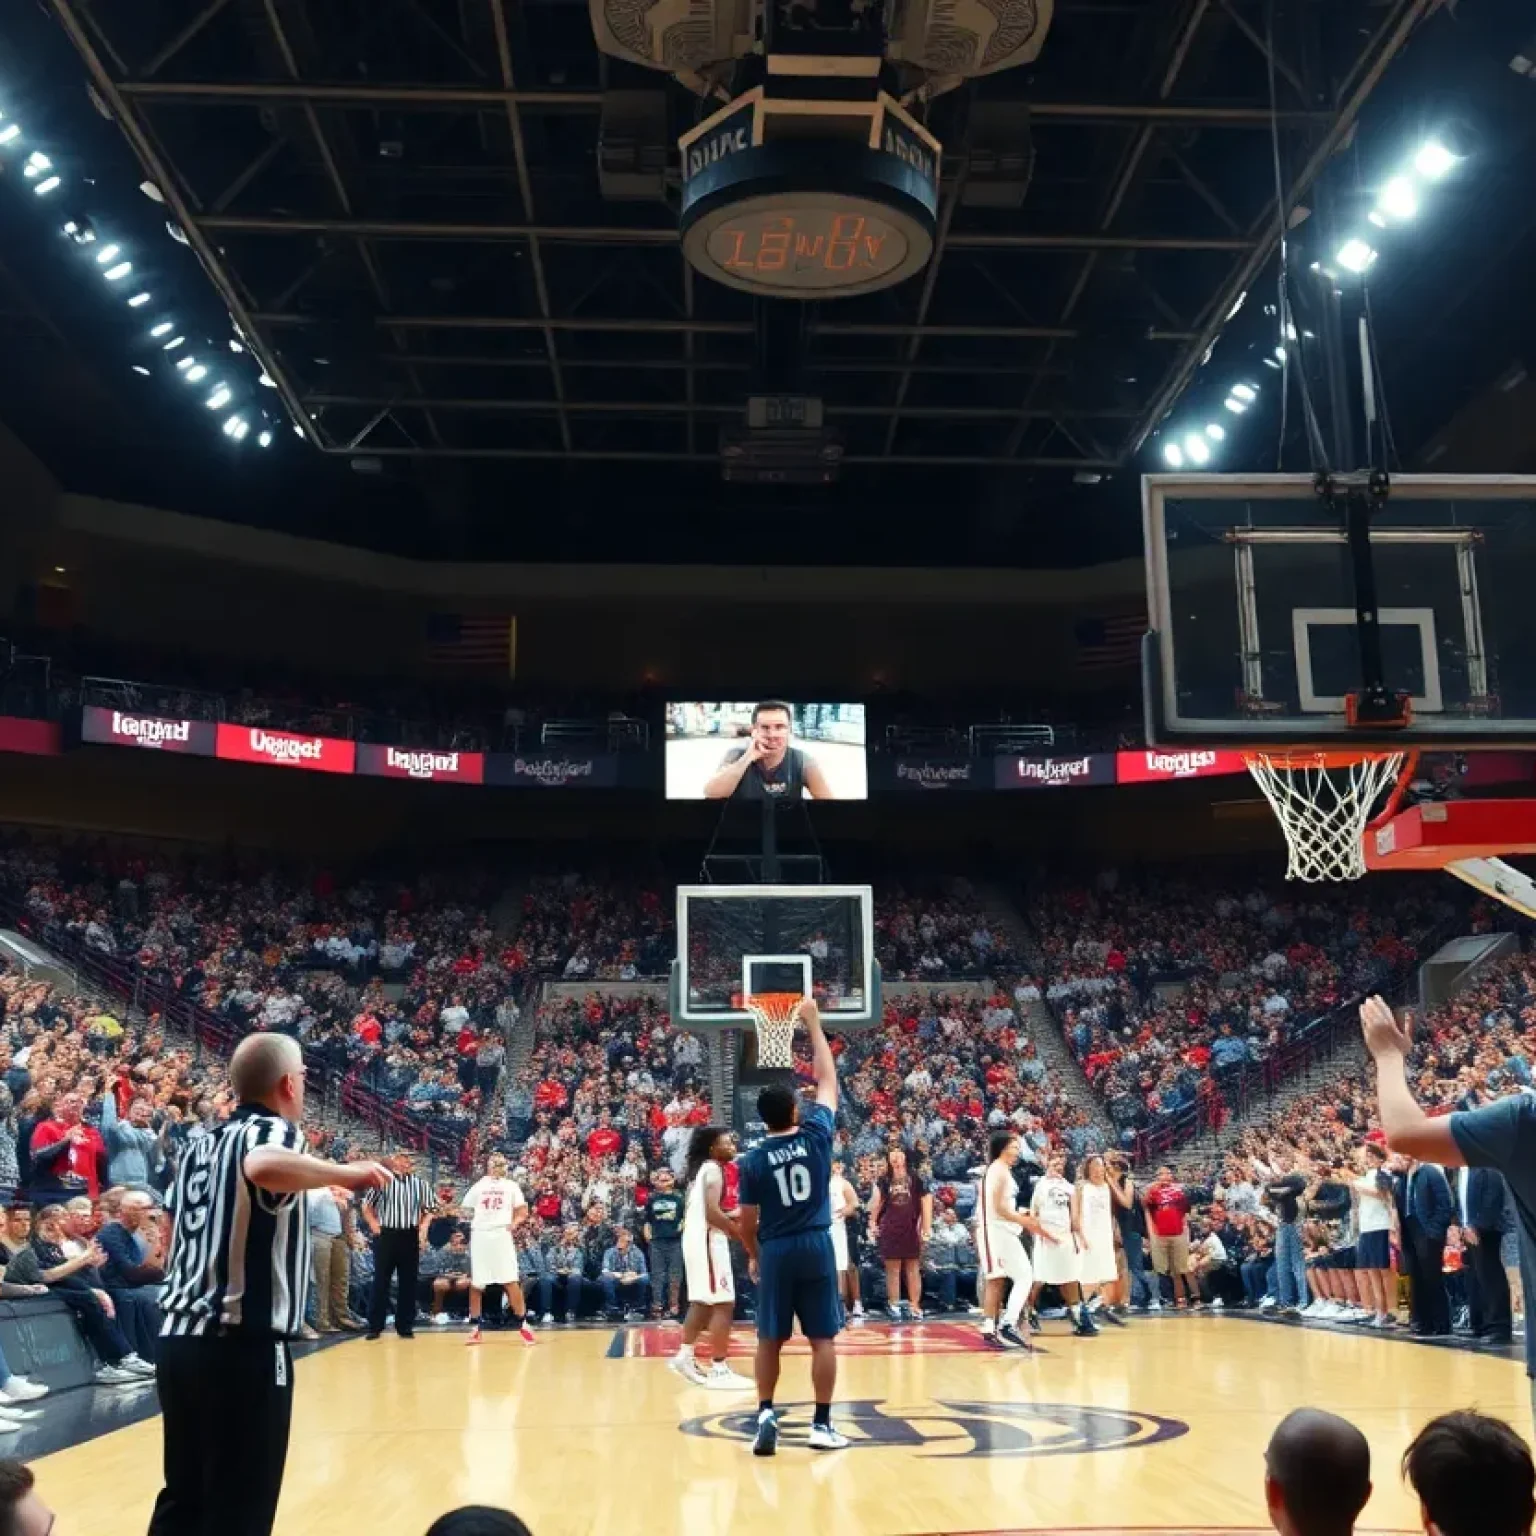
{"x":285,"y":749}
{"x":115,"y":728}
{"x":905,"y":774}
{"x":1160,"y":765}
{"x":37,"y":738}
{"x":552,"y":770}
{"x":1055,"y":772}
{"x":424,"y":764}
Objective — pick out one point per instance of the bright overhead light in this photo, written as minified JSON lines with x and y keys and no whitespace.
{"x":43,"y":188}
{"x":268,"y":381}
{"x":140,"y":368}
{"x":108,"y":254}
{"x":1433,"y":160}
{"x":1237,"y":407}
{"x":1174,"y":455}
{"x":1356,"y":256}
{"x":219,"y":398}
{"x":1290,"y":330}
{"x":37,"y":163}
{"x":1242,"y":299}
{"x":151,"y":191}
{"x":137,"y":300}
{"x":1280,"y":353}
{"x":236,"y":427}
{"x":80,"y":231}
{"x":1244,"y":392}
{"x":173,"y":343}
{"x":1400,"y":198}
{"x":120,"y":271}
{"x":298,"y":431}
{"x":1197,"y":448}
{"x":196,"y":373}
{"x":265,"y":439}
{"x":1376,"y":219}
{"x":10,"y":133}
{"x":234,"y":346}
{"x":164,"y":328}
{"x":1269,"y":362}
{"x":1216,"y":433}
{"x":185,"y":362}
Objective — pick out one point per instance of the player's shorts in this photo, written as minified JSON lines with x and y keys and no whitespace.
{"x":797,"y":1278}
{"x":1373,"y":1250}
{"x":707,"y":1268}
{"x":492,"y":1258}
{"x":1056,"y":1263}
{"x":1002,"y":1255}
{"x":840,"y":1245}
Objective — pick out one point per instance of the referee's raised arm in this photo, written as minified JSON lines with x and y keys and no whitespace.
{"x":234,"y":1294}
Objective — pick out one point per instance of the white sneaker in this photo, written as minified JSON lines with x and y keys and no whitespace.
{"x":824,"y":1438}
{"x":1218,"y":1305}
{"x":116,"y":1376}
{"x":440,"y":1319}
{"x":547,"y":1321}
{"x":1266,"y":1304}
{"x":685,"y":1364}
{"x":17,"y":1389}
{"x":138,"y":1366}
{"x":721,"y":1378}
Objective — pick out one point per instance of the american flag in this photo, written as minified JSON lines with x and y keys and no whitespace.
{"x":473,"y":642}
{"x":1106,"y":642}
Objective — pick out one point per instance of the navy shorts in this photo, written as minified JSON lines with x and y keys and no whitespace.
{"x":798,"y":1279}
{"x":1374,"y":1251}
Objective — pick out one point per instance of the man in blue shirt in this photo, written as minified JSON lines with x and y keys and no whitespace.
{"x":786,"y":1228}
{"x":1500,"y":1135}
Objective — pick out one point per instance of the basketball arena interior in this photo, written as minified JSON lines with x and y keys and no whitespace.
{"x":584,"y":584}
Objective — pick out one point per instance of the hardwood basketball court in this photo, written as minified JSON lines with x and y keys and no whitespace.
{"x":1160,"y":1427}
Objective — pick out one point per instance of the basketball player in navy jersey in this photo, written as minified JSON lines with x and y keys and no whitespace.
{"x":785,"y":1226}
{"x":768,"y":768}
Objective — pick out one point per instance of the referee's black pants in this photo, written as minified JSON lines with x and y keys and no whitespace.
{"x":226,"y":1400}
{"x":396,"y":1252}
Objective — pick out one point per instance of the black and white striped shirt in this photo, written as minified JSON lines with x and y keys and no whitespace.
{"x":239,"y":1254}
{"x":401,"y":1205}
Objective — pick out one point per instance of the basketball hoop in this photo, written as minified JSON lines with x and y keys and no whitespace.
{"x":1324,"y":802}
{"x":773,"y":1013}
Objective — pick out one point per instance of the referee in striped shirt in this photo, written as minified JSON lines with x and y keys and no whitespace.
{"x":398,"y":1215}
{"x":234,"y":1295}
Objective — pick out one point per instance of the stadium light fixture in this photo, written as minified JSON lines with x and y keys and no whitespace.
{"x":119,"y":272}
{"x":108,"y":254}
{"x":185,"y":362}
{"x":1399,"y":199}
{"x":37,"y":163}
{"x":236,"y":427}
{"x":1244,"y":392}
{"x":1434,"y":160}
{"x":10,"y":133}
{"x":80,"y":231}
{"x":52,"y":184}
{"x":1356,"y":256}
{"x":1236,"y":406}
{"x":267,"y":381}
{"x":1174,"y":455}
{"x":1216,"y":432}
{"x":164,"y":328}
{"x":221,"y":397}
{"x":197,"y":373}
{"x":138,"y":301}
{"x":173,"y":343}
{"x":1197,"y":449}
{"x":265,"y":439}
{"x":141,"y":369}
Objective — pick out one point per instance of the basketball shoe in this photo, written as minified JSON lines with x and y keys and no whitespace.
{"x":824,"y":1438}
{"x":684,"y":1364}
{"x":766,"y":1440}
{"x":721,"y":1378}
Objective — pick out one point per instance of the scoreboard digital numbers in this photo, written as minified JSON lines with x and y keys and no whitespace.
{"x":812,"y":248}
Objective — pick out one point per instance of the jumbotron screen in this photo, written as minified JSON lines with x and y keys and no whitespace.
{"x":766,"y":749}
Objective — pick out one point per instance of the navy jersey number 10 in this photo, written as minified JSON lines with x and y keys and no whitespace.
{"x":788,"y":1178}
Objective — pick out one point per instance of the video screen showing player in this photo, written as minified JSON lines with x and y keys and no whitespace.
{"x":766,"y":750}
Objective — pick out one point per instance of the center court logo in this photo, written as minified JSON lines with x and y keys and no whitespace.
{"x":961,"y":1429}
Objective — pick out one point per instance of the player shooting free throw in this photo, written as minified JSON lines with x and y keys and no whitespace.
{"x":785,"y":1222}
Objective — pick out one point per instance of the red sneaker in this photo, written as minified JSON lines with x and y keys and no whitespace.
{"x":474,"y":1336}
{"x":526,"y":1334}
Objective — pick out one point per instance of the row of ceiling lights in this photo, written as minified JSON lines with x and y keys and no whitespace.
{"x":114,"y":266}
{"x":1398,"y":201}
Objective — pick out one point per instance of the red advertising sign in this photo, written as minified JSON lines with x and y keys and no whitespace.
{"x":157,"y":732}
{"x":286,"y":749}
{"x":1163,"y":764}
{"x":37,"y":738}
{"x":422,"y":763}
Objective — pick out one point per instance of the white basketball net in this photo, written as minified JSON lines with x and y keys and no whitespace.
{"x":1323,"y":807}
{"x":773,"y":1013}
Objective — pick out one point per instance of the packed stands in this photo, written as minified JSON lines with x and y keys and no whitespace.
{"x":936,"y":931}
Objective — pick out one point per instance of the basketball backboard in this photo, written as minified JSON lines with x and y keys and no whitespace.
{"x":734,"y":941}
{"x":1252,"y":610}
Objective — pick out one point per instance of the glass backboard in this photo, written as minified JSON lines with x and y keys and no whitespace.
{"x":1251,"y":605}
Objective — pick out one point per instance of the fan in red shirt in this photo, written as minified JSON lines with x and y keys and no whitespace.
{"x":604,"y":1141}
{"x":1167,"y":1205}
{"x":64,"y":1150}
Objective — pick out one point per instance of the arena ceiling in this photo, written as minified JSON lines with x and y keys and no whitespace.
{"x":403,"y":207}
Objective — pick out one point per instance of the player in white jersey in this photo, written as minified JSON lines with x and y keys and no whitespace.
{"x":707,"y":1234}
{"x":1000,"y":1246}
{"x":845,"y":1204}
{"x":1059,"y":1263}
{"x":495,"y":1206}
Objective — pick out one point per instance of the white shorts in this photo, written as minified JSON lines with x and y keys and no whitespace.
{"x":840,"y":1245}
{"x":1098,"y":1264}
{"x":1002,"y":1255}
{"x":492,"y":1258}
{"x":1057,"y":1263}
{"x":707,"y":1268}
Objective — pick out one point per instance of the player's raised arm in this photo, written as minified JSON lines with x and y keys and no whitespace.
{"x":721,"y":784}
{"x":823,"y":1063}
